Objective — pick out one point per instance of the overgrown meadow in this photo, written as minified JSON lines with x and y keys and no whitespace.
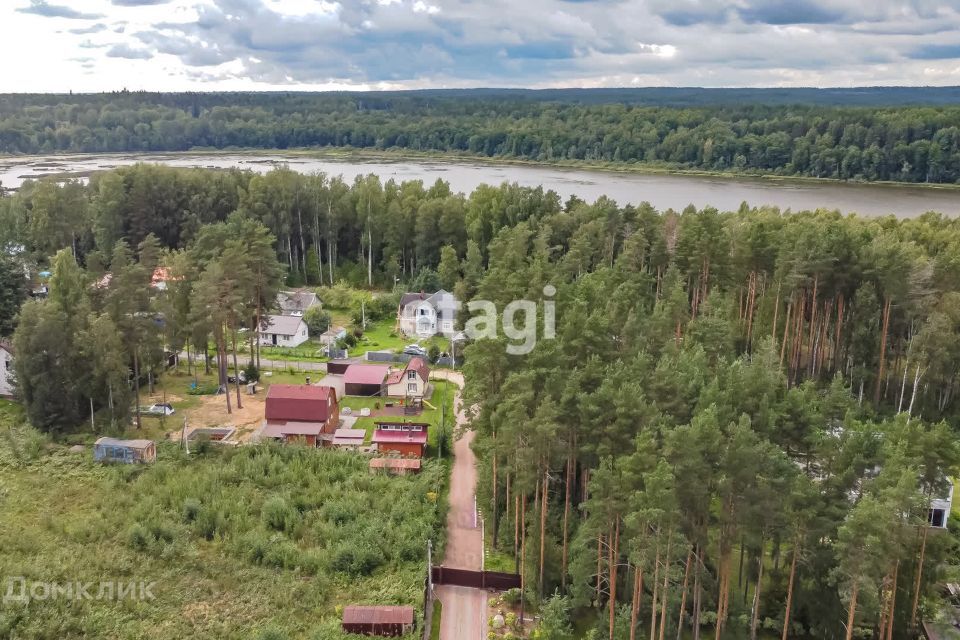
{"x":259,"y":541}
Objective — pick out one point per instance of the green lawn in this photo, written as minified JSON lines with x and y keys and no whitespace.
{"x":435,"y":620}
{"x":381,"y":336}
{"x":441,"y":391}
{"x":247,"y":542}
{"x":310,"y":350}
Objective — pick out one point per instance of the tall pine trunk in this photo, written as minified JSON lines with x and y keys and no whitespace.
{"x":635,"y":602}
{"x":882,"y":364}
{"x":683,"y":594}
{"x":852,"y":612}
{"x":790,"y":581}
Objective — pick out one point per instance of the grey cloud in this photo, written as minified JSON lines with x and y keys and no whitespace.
{"x":783,"y":12}
{"x":44,"y":8}
{"x":558,"y":42}
{"x":94,"y":28}
{"x":138,"y":3}
{"x":126,"y":51}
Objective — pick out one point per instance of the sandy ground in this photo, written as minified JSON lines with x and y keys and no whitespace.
{"x":212,"y":412}
{"x":464,"y":609}
{"x":464,"y":612}
{"x":464,"y":535}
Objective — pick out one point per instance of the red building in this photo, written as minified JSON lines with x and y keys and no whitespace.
{"x":408,"y":439}
{"x":302,"y":413}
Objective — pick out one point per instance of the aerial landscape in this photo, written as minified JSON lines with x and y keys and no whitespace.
{"x":556,"y":320}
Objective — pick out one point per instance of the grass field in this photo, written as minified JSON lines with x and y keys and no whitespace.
{"x":248,"y":542}
{"x":442,"y":391}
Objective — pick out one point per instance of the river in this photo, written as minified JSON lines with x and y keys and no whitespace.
{"x":661,"y":190}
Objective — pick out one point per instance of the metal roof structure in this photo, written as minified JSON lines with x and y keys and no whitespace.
{"x":377,"y":615}
{"x":299,"y":402}
{"x":282,"y":325}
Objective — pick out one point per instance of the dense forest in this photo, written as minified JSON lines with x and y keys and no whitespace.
{"x":821,"y":135}
{"x":737,"y":431}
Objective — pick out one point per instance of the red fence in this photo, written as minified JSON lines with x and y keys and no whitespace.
{"x":476,"y":579}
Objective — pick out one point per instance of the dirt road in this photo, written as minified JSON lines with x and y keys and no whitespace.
{"x":464,"y":612}
{"x":464,"y":609}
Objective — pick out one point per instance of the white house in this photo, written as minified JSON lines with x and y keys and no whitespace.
{"x":6,"y":369}
{"x":296,"y":303}
{"x":411,"y":381}
{"x":424,"y":315}
{"x":284,"y":331}
{"x":940,"y":509}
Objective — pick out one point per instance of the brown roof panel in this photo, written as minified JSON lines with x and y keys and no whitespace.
{"x":299,"y":402}
{"x":366,"y":374}
{"x":377,"y":615}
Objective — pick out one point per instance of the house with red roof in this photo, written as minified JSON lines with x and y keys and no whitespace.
{"x":406,"y":439}
{"x":365,"y":379}
{"x":302,"y":413}
{"x":410,"y":382}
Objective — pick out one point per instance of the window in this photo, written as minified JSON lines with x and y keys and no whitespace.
{"x":411,"y":375}
{"x":412,"y":387}
{"x":937,"y":518}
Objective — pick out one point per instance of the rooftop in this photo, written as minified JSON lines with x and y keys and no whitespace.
{"x":366,"y":374}
{"x":399,"y":437}
{"x":279,"y":428}
{"x":116,"y":442}
{"x":282,"y":325}
{"x":377,"y":615}
{"x":299,"y":402}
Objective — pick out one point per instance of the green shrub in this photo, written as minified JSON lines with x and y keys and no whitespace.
{"x":251,"y":372}
{"x":512,"y":596}
{"x":278,"y":515}
{"x":138,"y":537}
{"x":191,"y":508}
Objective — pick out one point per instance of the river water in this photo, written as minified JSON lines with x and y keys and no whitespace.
{"x":661,"y":190}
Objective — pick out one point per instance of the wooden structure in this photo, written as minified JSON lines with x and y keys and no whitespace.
{"x":349,"y":438}
{"x":396,"y":466}
{"x":378,"y":621}
{"x":302,"y":413}
{"x":124,"y":451}
{"x":403,"y":438}
{"x":365,"y":379}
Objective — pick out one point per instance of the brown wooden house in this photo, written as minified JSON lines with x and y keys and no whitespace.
{"x":302,"y":413}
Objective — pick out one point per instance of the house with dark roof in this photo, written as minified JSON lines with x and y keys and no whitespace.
{"x":296,"y":303}
{"x":301,"y":413}
{"x":364,"y":379}
{"x":6,"y":368}
{"x":410,"y":382}
{"x":284,"y":331}
{"x":424,"y":315}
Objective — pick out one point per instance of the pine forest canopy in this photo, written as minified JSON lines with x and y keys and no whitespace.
{"x":900,"y":134}
{"x":749,"y":385}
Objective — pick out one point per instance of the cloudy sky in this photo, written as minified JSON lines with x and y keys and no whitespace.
{"x":96,"y":45}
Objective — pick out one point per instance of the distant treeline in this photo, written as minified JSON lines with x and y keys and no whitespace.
{"x":851,"y":134}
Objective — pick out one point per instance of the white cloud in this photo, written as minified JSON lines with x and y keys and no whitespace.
{"x":422,"y":7}
{"x":315,"y":44}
